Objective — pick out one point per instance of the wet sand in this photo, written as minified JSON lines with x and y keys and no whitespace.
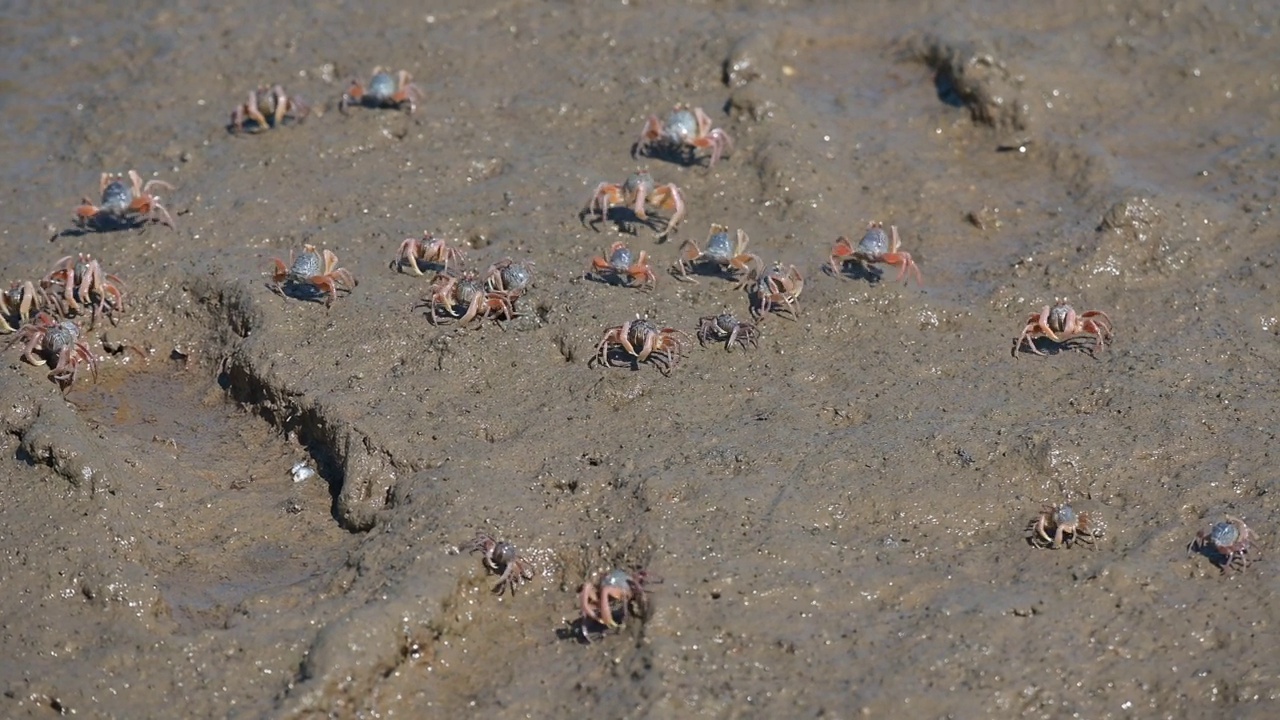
{"x":838,"y":516}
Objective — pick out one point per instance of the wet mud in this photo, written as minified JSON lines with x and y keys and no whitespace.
{"x":257,"y":505}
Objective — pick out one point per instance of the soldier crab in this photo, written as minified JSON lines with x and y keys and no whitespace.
{"x":1065,"y":523}
{"x":620,"y":265}
{"x":123,"y":204}
{"x":80,"y":281}
{"x":684,"y":132}
{"x":311,"y":275}
{"x":1060,"y":323}
{"x":728,"y":328}
{"x":641,"y":340}
{"x":723,"y":253}
{"x":384,"y":91}
{"x":266,"y":108}
{"x":876,"y":246}
{"x":637,"y":192}
{"x":57,"y":344}
{"x":775,"y":290}
{"x":617,"y":594}
{"x":428,"y":250}
{"x":501,"y":558}
{"x":1231,"y":539}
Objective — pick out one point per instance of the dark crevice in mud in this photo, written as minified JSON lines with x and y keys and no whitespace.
{"x":360,"y":473}
{"x":970,"y":74}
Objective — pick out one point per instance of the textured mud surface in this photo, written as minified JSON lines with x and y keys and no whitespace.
{"x":838,"y":515}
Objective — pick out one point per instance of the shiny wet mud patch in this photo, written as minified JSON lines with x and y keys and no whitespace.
{"x":230,"y":527}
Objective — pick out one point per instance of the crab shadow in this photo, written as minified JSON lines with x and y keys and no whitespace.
{"x":715,"y":271}
{"x":249,"y":126}
{"x":617,"y":357}
{"x":1215,"y":556}
{"x":625,"y":220}
{"x":302,"y":291}
{"x":423,"y":266}
{"x":682,"y":155}
{"x":853,"y":270}
{"x":582,"y":630}
{"x":100,"y":226}
{"x":613,"y":279}
{"x":1050,"y":348}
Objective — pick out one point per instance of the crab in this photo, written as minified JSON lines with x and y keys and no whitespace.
{"x":637,"y":192}
{"x":775,"y":290}
{"x":463,"y":298}
{"x":619,"y":264}
{"x":124,"y":204}
{"x":642,"y":340}
{"x":428,"y":250}
{"x":57,"y":344}
{"x":384,"y":91}
{"x":617,"y":594}
{"x":1066,"y":524}
{"x":1231,"y":539}
{"x":876,"y":246}
{"x":266,"y":108}
{"x":1060,"y":323}
{"x":81,"y":280}
{"x":502,"y":558}
{"x":685,"y":129}
{"x":17,"y":302}
{"x":309,"y":274}
{"x":725,"y":254}
{"x":510,"y":277}
{"x":726,"y":327}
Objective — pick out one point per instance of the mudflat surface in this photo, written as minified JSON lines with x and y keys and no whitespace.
{"x":838,"y":516}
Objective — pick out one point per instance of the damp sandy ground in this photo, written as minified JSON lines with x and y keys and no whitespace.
{"x":838,"y":516}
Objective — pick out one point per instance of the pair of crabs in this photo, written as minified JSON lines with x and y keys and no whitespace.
{"x":465,"y":297}
{"x":1230,"y":540}
{"x":79,"y":282}
{"x":270,"y":106}
{"x":684,"y":132}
